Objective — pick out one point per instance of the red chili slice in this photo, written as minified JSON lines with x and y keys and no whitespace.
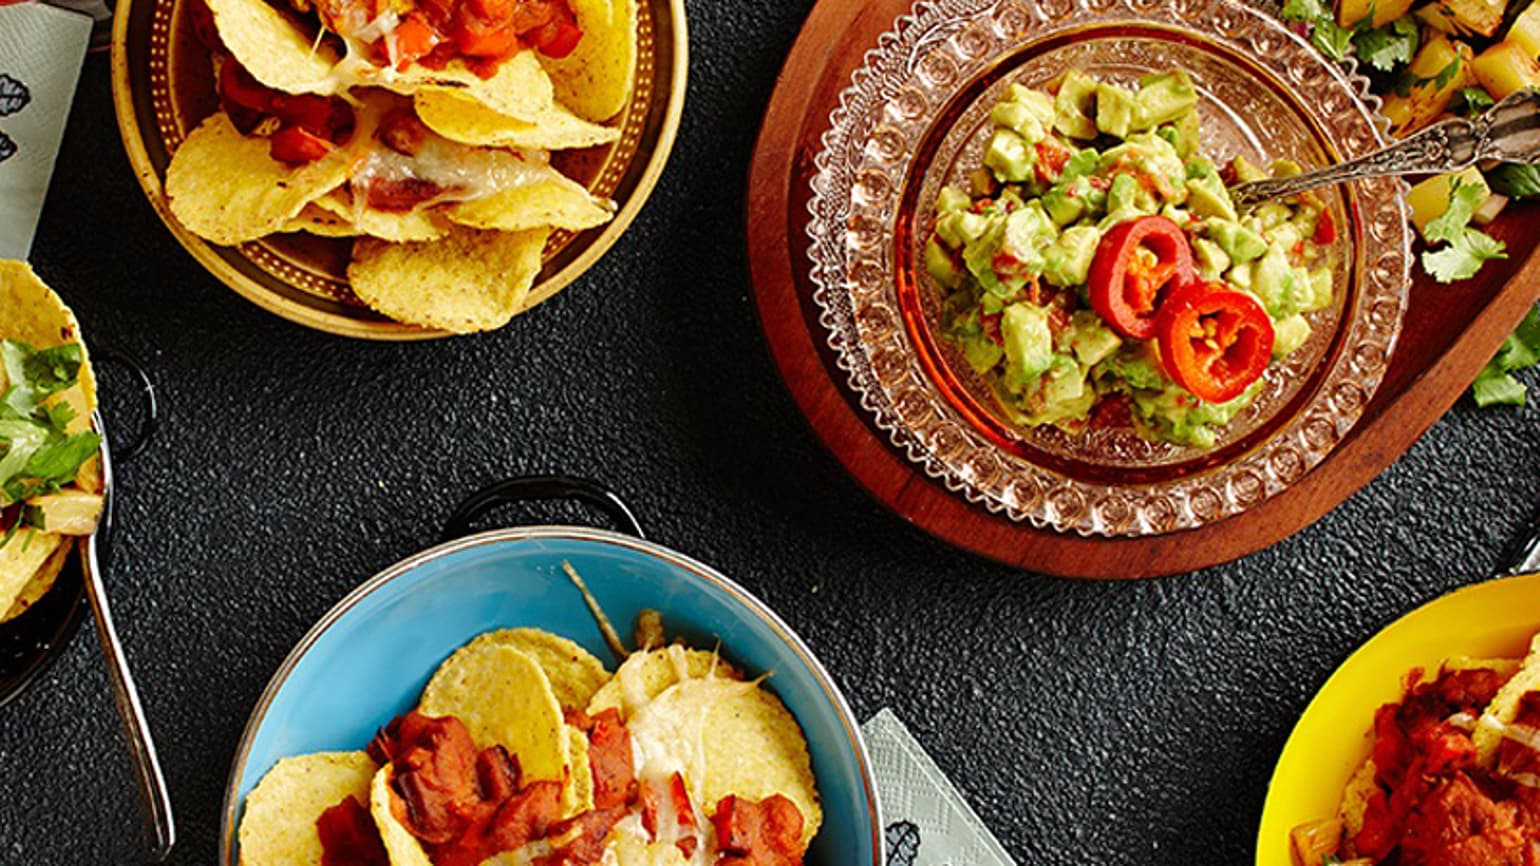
{"x":1126,"y":290}
{"x":1215,"y":341}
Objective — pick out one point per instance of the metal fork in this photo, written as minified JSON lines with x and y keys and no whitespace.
{"x":1509,"y":131}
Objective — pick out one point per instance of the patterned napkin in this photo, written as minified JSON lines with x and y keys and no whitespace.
{"x":929,"y":823}
{"x":41,"y":49}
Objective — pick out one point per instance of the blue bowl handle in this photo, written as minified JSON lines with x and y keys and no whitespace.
{"x":535,"y":488}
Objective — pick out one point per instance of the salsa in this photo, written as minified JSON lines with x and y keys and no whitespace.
{"x":432,"y":33}
{"x":1096,"y":273}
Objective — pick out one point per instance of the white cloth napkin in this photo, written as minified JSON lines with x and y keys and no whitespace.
{"x":41,"y":50}
{"x":928,"y":821}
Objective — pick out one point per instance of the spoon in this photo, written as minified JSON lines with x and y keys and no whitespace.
{"x":147,"y":773}
{"x":1525,"y":556}
{"x":1509,"y":131}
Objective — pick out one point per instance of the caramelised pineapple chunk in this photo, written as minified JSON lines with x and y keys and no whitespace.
{"x":1506,"y":68}
{"x":1350,"y":13}
{"x":1441,"y":68}
{"x":1470,"y":17}
{"x":1525,"y":31}
{"x":1429,"y":199}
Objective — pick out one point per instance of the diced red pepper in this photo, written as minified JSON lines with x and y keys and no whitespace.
{"x":1126,"y":290}
{"x":1215,"y":341}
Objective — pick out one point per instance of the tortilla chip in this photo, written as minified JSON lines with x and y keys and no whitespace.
{"x":595,"y":80}
{"x":278,"y":824}
{"x":274,"y":49}
{"x":225,"y":188}
{"x":504,"y":699}
{"x":577,"y":795}
{"x":558,"y":203}
{"x":468,"y":281}
{"x":321,"y":222}
{"x":1355,"y":798}
{"x":463,"y":119}
{"x":645,"y":675}
{"x":573,"y":672}
{"x":730,"y":737}
{"x":401,"y":846}
{"x":1505,"y":706}
{"x":385,"y":225}
{"x":37,"y":316}
{"x":41,"y":582}
{"x":520,"y":88}
{"x":21,"y":558}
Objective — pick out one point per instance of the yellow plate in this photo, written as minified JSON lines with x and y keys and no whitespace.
{"x":1491,"y":619}
{"x":162,"y":86}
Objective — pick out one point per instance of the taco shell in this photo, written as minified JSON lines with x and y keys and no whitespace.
{"x":730,"y":737}
{"x":1505,"y":706}
{"x":278,"y":825}
{"x":504,"y":699}
{"x":468,"y":281}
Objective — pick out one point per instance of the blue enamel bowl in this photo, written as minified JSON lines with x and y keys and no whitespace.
{"x":368,"y":659}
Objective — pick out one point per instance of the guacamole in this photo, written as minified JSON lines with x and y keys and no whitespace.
{"x":1096,"y":271}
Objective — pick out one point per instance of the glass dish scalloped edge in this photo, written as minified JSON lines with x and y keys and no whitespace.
{"x":906,"y":82}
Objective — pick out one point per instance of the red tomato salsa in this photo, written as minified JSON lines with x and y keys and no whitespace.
{"x":432,"y":33}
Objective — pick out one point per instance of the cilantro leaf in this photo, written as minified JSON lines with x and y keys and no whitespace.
{"x":1516,"y":180}
{"x":1464,"y":198}
{"x":37,"y":453}
{"x":1496,"y":385}
{"x":1387,"y":47}
{"x":1326,"y":35}
{"x":1463,"y":256}
{"x":1471,"y":101}
{"x":1494,"y":388}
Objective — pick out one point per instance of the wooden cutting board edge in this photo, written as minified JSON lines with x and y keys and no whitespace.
{"x":817,"y":69}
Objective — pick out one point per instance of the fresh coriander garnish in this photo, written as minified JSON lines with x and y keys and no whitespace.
{"x":38,"y":455}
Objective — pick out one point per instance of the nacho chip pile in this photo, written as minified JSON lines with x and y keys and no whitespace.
{"x":524,"y":749}
{"x":422,"y":129}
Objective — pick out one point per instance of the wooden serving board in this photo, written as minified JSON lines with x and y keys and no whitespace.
{"x":1449,"y":335}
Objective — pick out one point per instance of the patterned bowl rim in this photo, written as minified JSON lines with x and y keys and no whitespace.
{"x":1012,"y":486}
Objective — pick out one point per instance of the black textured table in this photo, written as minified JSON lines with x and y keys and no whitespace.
{"x":1102,"y":723}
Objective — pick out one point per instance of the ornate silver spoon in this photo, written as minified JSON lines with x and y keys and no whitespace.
{"x":1508,"y":131}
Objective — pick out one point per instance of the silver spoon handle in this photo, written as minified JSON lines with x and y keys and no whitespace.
{"x":1510,"y":130}
{"x":147,"y":773}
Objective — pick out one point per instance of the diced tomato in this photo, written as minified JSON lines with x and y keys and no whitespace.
{"x":1126,"y":289}
{"x":1215,"y":341}
{"x":239,"y":87}
{"x":558,"y":37}
{"x":415,"y":38}
{"x":327,"y":117}
{"x":1325,"y":229}
{"x":296,"y":146}
{"x":1051,"y":157}
{"x":766,"y":833}
{"x":349,"y":836}
{"x":609,"y":755}
{"x":486,"y":40}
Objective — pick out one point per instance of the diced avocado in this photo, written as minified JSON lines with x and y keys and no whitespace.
{"x":1207,"y":197}
{"x":1082,"y":164}
{"x":952,"y":198}
{"x":1028,"y":344}
{"x":1136,"y":365}
{"x":1114,"y":110}
{"x":1239,"y":243}
{"x":1322,"y":291}
{"x":1211,"y":260}
{"x":1185,"y":134}
{"x":1035,"y":101}
{"x":1273,"y":283}
{"x":1154,"y":161}
{"x":1290,"y":334}
{"x":1018,"y":118}
{"x":961,"y":227}
{"x":1240,"y":275}
{"x":1176,"y":214}
{"x":1285,"y":168}
{"x":1010,"y":157}
{"x":1067,"y":261}
{"x":1075,"y":106}
{"x":940,"y":264}
{"x":1027,"y":231}
{"x":1124,"y":195}
{"x":1177,"y":416}
{"x":1246,"y":171}
{"x":1284,"y":234}
{"x":979,"y":257}
{"x":1063,"y":205}
{"x":1271,"y":214}
{"x":1090,"y":339}
{"x":1163,"y":98}
{"x":1065,"y":383}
